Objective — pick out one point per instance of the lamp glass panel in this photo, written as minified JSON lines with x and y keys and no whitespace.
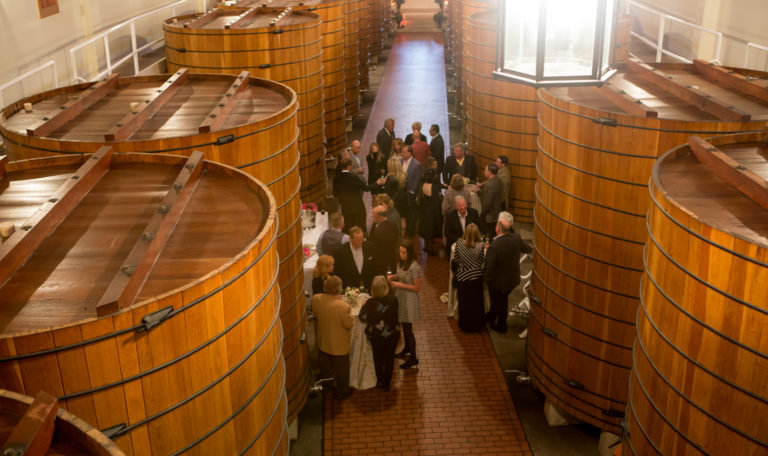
{"x":608,"y":36}
{"x":520,"y":37}
{"x":570,"y":38}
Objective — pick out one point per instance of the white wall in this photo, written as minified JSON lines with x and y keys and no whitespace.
{"x":27,"y":41}
{"x":739,"y":20}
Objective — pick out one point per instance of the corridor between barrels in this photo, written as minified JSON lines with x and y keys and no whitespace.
{"x":456,"y":401}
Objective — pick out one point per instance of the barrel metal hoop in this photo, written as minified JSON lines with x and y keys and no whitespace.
{"x":231,"y":51}
{"x":186,"y":65}
{"x":522,"y":100}
{"x":699,"y":279}
{"x":502,"y":146}
{"x":304,"y":76}
{"x":584,"y":200}
{"x":288,"y":146}
{"x":136,"y":327}
{"x":596,"y":149}
{"x":304,"y":389}
{"x":503,"y":130}
{"x":631,"y":408}
{"x":698,"y":365}
{"x":174,"y":31}
{"x":696,"y":319}
{"x":702,"y":238}
{"x":578,"y":350}
{"x":502,"y":114}
{"x":640,"y":127}
{"x":589,"y":173}
{"x":540,"y":255}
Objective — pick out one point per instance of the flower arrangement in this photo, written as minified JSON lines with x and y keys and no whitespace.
{"x":307,"y":252}
{"x":309,"y":207}
{"x":350,"y":295}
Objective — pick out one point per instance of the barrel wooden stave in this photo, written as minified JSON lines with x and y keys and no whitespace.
{"x":352,"y":57}
{"x":501,"y":115}
{"x":122,"y":356}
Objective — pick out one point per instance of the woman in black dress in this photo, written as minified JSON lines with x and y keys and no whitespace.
{"x":380,"y":317}
{"x":467,"y":267}
{"x":323,"y":270}
{"x":377,"y":168}
{"x":430,"y":207}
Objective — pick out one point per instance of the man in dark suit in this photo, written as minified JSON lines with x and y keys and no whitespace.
{"x":492,"y":196}
{"x":413,"y":173}
{"x":501,"y":271}
{"x":385,"y":240}
{"x":353,"y":262}
{"x":460,"y":163}
{"x":348,"y":188}
{"x":437,"y":147}
{"x":384,"y":138}
{"x":457,"y":220}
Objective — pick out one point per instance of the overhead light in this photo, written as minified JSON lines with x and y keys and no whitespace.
{"x":556,"y":42}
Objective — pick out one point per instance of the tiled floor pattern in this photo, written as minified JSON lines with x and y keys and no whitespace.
{"x":456,"y":402}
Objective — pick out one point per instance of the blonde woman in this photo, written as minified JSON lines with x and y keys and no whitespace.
{"x":323,"y":270}
{"x":396,"y":186}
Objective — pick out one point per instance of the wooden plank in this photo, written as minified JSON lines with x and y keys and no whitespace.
{"x":216,"y":118}
{"x":127,"y":283}
{"x":204,"y":19}
{"x":731,"y":79}
{"x":626,"y":102}
{"x":131,"y":123}
{"x":750,"y":184}
{"x":276,"y":21}
{"x":689,"y":94}
{"x":33,"y":433}
{"x":3,"y":162}
{"x":73,"y":108}
{"x":20,"y":245}
{"x":242,"y":21}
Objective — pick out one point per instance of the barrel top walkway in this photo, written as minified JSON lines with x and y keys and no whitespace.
{"x":457,"y":401}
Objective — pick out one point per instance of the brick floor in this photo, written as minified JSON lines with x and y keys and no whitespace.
{"x":456,"y":402}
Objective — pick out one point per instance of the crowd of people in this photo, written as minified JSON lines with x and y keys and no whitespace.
{"x":415,"y":192}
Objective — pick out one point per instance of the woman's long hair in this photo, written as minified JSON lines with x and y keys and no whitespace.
{"x":323,"y":267}
{"x":410,"y":255}
{"x":471,"y":236}
{"x":394,"y":168}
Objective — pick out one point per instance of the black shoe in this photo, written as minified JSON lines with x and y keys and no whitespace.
{"x":409,"y":364}
{"x":403,"y":354}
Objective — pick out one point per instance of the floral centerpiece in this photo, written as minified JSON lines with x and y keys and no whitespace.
{"x":308,"y":214}
{"x":350,"y":294}
{"x":307,"y":252}
{"x":309,"y":207}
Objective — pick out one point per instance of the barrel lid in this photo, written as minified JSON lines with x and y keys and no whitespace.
{"x":236,"y":19}
{"x":147,"y":107}
{"x":121,"y":209}
{"x":703,"y":191}
{"x":685,"y":92}
{"x":302,"y":4}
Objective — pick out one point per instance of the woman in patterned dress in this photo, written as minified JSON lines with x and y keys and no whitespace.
{"x":467,"y":267}
{"x":406,"y":284}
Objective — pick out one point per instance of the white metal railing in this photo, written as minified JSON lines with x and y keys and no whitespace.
{"x":21,"y":78}
{"x":752,"y":45}
{"x":135,"y":51}
{"x":659,"y":44}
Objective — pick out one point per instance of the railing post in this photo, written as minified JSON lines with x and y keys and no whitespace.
{"x":55,"y":77}
{"x":660,"y":41}
{"x":106,"y":52}
{"x":133,"y":48}
{"x":719,"y":44}
{"x":74,"y":65}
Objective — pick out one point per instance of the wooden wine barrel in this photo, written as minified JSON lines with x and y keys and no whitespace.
{"x":332,"y":30}
{"x":455,"y":24}
{"x":365,"y":33}
{"x":271,"y":43}
{"x":501,"y":115}
{"x":258,"y":135}
{"x":65,"y":434}
{"x":352,"y":57}
{"x":701,"y":354}
{"x":378,"y":19}
{"x":597,"y":148}
{"x":141,"y":290}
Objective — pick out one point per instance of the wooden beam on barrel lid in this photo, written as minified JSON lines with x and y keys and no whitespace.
{"x":204,"y":19}
{"x":625,"y":101}
{"x":242,"y":20}
{"x":687,"y":93}
{"x":129,"y":280}
{"x":73,"y":108}
{"x":21,"y":244}
{"x":33,"y":433}
{"x":731,"y":79}
{"x":731,"y":171}
{"x":216,"y":118}
{"x":133,"y":121}
{"x":280,"y":17}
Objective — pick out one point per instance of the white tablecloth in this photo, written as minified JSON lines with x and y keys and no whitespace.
{"x":310,"y":237}
{"x":362,"y":373}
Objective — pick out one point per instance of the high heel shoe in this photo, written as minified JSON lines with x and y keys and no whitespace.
{"x":403,"y":354}
{"x":409,"y":364}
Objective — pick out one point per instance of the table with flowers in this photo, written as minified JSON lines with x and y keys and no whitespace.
{"x":362,"y":374}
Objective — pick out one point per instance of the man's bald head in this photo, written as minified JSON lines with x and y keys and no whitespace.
{"x":356,"y":147}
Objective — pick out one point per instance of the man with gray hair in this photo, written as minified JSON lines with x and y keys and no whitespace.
{"x":460,"y":163}
{"x":456,"y":221}
{"x":385,"y":136}
{"x":501,"y":271}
